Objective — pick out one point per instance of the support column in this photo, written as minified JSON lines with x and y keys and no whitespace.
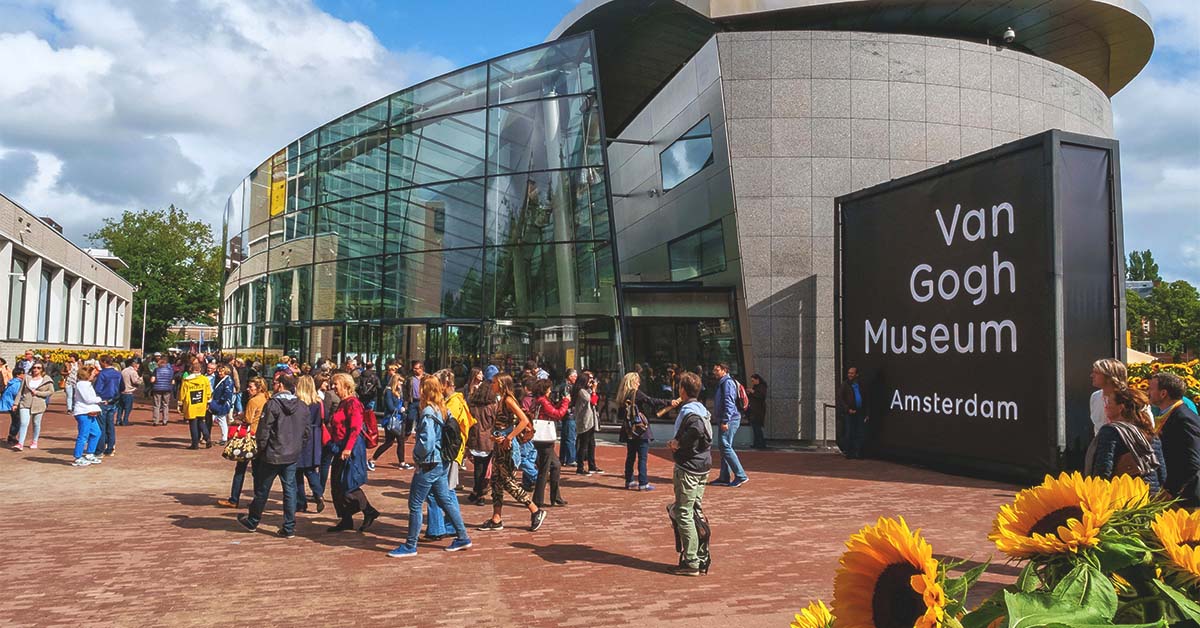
{"x":58,"y":307}
{"x":110,"y":338}
{"x":75,"y":310}
{"x":101,"y":319}
{"x":6,"y":249}
{"x":89,"y":316}
{"x":33,"y":299}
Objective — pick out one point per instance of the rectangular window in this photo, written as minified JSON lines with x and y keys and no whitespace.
{"x":16,"y":297}
{"x":687,"y":155}
{"x":698,"y":253}
{"x":43,"y":319}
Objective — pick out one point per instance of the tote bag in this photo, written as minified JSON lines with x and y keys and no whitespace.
{"x":543,"y":431}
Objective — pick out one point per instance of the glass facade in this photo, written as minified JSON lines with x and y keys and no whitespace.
{"x":701,"y":252}
{"x":463,"y":220}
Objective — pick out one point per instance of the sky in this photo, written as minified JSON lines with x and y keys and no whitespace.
{"x":108,"y":105}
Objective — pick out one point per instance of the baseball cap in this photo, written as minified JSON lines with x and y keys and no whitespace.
{"x":490,"y":372}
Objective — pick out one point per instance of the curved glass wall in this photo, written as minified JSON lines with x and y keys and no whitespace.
{"x":462,"y":220}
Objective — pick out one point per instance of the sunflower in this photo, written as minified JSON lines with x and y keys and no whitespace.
{"x":1179,"y":533}
{"x":815,"y":616}
{"x":1062,"y":515}
{"x":888,"y":579}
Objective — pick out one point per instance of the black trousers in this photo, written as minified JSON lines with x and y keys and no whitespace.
{"x":856,"y":434}
{"x":549,"y":469}
{"x":585,"y":451}
{"x":200,"y":427}
{"x":481,"y":482}
{"x":346,"y":504}
{"x":390,"y":439}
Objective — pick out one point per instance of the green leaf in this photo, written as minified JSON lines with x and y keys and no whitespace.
{"x":1088,"y":587}
{"x":1157,"y":624}
{"x":1028,"y":580}
{"x":1186,"y":607}
{"x":987,"y":612}
{"x":1117,"y":555}
{"x":1036,"y":610}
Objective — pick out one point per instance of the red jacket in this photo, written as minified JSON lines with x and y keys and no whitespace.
{"x":549,"y":412}
{"x":347,"y":423}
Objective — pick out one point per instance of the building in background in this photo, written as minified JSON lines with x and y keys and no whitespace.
{"x":53,"y":294}
{"x":721,"y":131}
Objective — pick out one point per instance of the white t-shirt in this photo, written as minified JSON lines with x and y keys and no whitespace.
{"x":1096,"y":409}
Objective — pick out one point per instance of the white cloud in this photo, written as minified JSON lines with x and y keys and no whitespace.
{"x":138,"y":105}
{"x":1159,"y":130}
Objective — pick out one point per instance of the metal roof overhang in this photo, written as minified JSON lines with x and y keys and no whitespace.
{"x":642,"y":43}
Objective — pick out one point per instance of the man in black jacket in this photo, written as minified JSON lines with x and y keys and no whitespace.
{"x":852,"y":405}
{"x":368,"y":386}
{"x":1179,"y":431}
{"x":691,"y":449}
{"x":281,"y":433}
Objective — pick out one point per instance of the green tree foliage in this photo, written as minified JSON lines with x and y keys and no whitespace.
{"x":1136,"y":309}
{"x":1142,"y":267}
{"x":174,"y":260}
{"x":1175,"y":309}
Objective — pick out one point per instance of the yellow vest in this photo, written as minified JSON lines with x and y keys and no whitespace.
{"x":194,"y":394}
{"x":457,"y":406}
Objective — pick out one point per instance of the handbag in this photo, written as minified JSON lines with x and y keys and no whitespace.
{"x":544,"y":431}
{"x":636,"y":423}
{"x":240,"y":447}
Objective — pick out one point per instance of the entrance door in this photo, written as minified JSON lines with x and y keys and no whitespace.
{"x":405,"y":343}
{"x":453,"y":346}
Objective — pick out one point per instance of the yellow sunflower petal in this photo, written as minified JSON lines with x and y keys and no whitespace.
{"x":816,"y":615}
{"x":1064,"y":514}
{"x":888,"y":578}
{"x":1179,"y":533}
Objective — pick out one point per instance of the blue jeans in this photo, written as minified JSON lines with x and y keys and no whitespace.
{"x":731,"y":467}
{"x":27,"y":415}
{"x":313,"y":476}
{"x":528,"y":466}
{"x":70,"y":398}
{"x":432,"y":484}
{"x":89,"y":435}
{"x":108,"y":435}
{"x":125,"y":409}
{"x":639,"y":449}
{"x":265,"y":475}
{"x":414,"y":413}
{"x":239,"y":480}
{"x":567,"y":449}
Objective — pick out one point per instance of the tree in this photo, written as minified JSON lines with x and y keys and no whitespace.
{"x":173,"y":260}
{"x":1142,"y":267}
{"x":1174,"y":309}
{"x":1137,"y":309}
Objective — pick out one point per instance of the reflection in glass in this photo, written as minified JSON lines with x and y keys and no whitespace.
{"x":699,"y":253}
{"x":373,"y":117}
{"x":302,"y":181}
{"x":438,"y":150}
{"x":452,"y":93}
{"x":434,"y":284}
{"x":351,"y":228}
{"x":354,"y":167}
{"x":347,"y":289}
{"x":550,"y":206}
{"x":544,"y":134}
{"x":688,"y":155}
{"x":562,"y":68}
{"x":436,"y":217}
{"x":288,"y":294}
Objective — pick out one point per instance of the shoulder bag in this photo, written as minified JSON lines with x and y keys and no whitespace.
{"x":544,"y":430}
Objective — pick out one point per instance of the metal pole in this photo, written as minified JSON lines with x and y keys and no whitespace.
{"x":145,"y":302}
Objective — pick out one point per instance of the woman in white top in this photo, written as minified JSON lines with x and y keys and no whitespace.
{"x":35,"y":393}
{"x":1109,"y":376}
{"x":87,"y":409}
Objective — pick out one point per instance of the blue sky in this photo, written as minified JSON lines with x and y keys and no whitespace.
{"x":121,"y":104}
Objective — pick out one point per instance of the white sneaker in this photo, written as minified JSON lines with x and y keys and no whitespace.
{"x":93,"y":459}
{"x":81,"y":462}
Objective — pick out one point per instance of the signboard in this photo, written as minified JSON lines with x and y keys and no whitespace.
{"x":951,"y":303}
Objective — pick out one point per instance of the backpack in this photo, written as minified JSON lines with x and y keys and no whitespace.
{"x":743,"y":400}
{"x":370,"y":428}
{"x":368,"y":387}
{"x":635,"y":423}
{"x":452,"y":439}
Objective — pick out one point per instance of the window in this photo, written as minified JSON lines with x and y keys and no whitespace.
{"x":16,"y":297}
{"x":43,"y":317}
{"x":699,"y":253}
{"x":688,"y":155}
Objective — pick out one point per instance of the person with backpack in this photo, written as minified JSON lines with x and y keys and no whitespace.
{"x":394,"y":412}
{"x":728,"y":398}
{"x":160,"y":391}
{"x":221,"y":403}
{"x":348,"y":445}
{"x":436,"y":444}
{"x":308,"y":467}
{"x":634,"y":409}
{"x":691,"y":450}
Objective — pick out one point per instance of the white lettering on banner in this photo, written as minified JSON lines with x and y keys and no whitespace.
{"x":888,"y":338}
{"x":970,"y":407}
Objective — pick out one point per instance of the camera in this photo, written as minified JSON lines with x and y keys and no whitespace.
{"x":1009,"y":35}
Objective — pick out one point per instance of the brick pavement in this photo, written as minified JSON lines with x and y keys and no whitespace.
{"x":137,"y":541}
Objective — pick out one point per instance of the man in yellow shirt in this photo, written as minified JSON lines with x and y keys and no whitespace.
{"x":194,"y":395}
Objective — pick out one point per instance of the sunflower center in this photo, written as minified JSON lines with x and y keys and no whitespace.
{"x":1192,"y":544}
{"x":1051,"y":522}
{"x":895,"y":604}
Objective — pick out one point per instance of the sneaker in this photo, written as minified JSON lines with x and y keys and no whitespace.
{"x":402,"y":551}
{"x":719,"y":483}
{"x":684,"y":570}
{"x":286,"y":534}
{"x":405,"y":466}
{"x":320,"y":505}
{"x":94,"y":459}
{"x":342,"y":526}
{"x":227,"y":503}
{"x":631,"y":485}
{"x":646,"y":487}
{"x":110,"y":453}
{"x":458,"y":545}
{"x":492,"y":525}
{"x":81,"y":462}
{"x":536,"y":519}
{"x":370,"y":465}
{"x":244,"y":521}
{"x":596,"y":471}
{"x":737,"y":483}
{"x":18,"y":447}
{"x":33,"y":445}
{"x":581,"y":472}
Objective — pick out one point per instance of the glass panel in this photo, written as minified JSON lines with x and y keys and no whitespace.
{"x":556,"y":205}
{"x":436,"y":217}
{"x":434,"y":284}
{"x":258,"y":300}
{"x":438,"y":150}
{"x":16,"y":297}
{"x":373,"y":117}
{"x":564,"y":67}
{"x":354,"y":167}
{"x":545,"y":134}
{"x":64,"y":294}
{"x":347,"y":289}
{"x":43,"y":316}
{"x":297,"y":224}
{"x":521,"y":281}
{"x":698,"y":253}
{"x":289,"y":294}
{"x":688,"y":155}
{"x":459,"y":91}
{"x":308,"y":142}
{"x":302,"y":181}
{"x":362,"y":343}
{"x":351,"y":228}
{"x":258,"y":194}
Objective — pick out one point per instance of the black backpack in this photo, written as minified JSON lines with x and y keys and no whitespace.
{"x":452,"y":439}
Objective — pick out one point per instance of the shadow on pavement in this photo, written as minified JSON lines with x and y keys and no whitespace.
{"x":43,"y":460}
{"x":562,"y":553}
{"x":193,"y":499}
